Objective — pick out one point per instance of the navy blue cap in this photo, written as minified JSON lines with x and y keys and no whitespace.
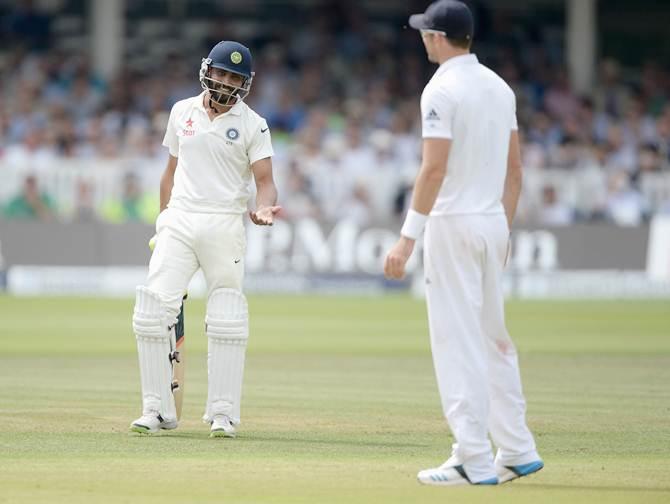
{"x":231,"y":56}
{"x":450,"y":16}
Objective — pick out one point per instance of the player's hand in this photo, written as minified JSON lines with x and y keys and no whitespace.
{"x":264,"y":216}
{"x":396,"y":259}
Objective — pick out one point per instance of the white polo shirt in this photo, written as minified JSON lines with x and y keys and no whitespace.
{"x":214,"y":157}
{"x":471,"y":105}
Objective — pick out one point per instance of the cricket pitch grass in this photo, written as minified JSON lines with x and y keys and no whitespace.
{"x":340,"y":406}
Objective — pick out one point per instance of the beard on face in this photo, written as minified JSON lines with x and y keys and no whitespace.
{"x":221,"y":93}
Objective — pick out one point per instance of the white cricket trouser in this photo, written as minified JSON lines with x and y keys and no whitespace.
{"x":475,"y":360}
{"x":189,"y":240}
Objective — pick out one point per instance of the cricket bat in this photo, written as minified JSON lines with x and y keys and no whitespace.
{"x":178,"y":363}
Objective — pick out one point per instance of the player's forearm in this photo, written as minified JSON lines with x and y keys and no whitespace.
{"x":511,"y":193}
{"x":426,"y":188}
{"x":513,"y":178}
{"x":266,"y":194}
{"x":167,"y":181}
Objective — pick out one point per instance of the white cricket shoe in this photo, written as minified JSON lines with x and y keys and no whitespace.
{"x":151,"y":423}
{"x":449,"y":475}
{"x":222,"y":427}
{"x":510,"y":472}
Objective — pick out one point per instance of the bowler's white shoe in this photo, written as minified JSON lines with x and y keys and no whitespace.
{"x":510,"y":472}
{"x":151,"y":423}
{"x":449,"y":475}
{"x":222,"y":427}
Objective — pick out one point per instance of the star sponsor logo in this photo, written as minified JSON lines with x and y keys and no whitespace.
{"x":188,"y":130}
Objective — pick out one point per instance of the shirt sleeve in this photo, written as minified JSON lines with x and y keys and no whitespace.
{"x":437,"y":114}
{"x":261,"y":143}
{"x":171,"y":140}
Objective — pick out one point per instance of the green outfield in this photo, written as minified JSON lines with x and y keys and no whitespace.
{"x":340,"y":406}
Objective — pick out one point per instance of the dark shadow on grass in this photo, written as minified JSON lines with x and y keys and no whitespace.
{"x":341,"y":442}
{"x":197,"y":436}
{"x":244,"y":438}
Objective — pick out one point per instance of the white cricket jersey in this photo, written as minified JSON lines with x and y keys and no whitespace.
{"x":214,"y":156}
{"x":471,"y":105}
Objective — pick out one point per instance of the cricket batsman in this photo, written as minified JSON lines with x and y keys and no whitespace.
{"x":216,"y":143}
{"x":466,"y":196}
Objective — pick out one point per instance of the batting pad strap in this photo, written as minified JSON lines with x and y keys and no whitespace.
{"x":227,"y":330}
{"x":414,"y":224}
{"x":149,"y":315}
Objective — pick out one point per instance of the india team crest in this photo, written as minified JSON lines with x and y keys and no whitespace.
{"x":232,"y":134}
{"x":236,"y":57}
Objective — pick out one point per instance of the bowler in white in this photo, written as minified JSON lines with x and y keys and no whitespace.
{"x":466,"y":195}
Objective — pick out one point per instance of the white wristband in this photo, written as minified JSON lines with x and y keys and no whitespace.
{"x":414,"y":223}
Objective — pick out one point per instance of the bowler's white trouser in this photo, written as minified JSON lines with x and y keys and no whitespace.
{"x":189,"y":240}
{"x":475,"y":360}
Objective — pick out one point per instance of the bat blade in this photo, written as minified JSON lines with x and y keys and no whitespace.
{"x":178,"y":363}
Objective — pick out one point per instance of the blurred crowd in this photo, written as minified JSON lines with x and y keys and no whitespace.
{"x":341,"y":95}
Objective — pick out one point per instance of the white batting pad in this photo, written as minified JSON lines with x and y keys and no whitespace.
{"x":227,"y":327}
{"x":154,"y":348}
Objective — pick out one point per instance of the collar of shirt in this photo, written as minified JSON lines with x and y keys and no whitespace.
{"x":463,"y":59}
{"x":236,"y":109}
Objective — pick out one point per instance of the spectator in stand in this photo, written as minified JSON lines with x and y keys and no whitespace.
{"x":553,"y":212}
{"x":331,"y":180}
{"x":133,"y":206}
{"x":358,"y":156}
{"x":568,"y":155}
{"x":653,"y":88}
{"x":273,"y":83}
{"x":648,"y":160}
{"x":84,"y":207}
{"x":592,"y":125}
{"x":663,"y":136}
{"x":37,"y":149}
{"x":621,"y":156}
{"x":611,"y":96}
{"x":30,"y":203}
{"x":298,"y":200}
{"x":591,"y":184}
{"x":625,"y":205}
{"x":638,"y":127}
{"x":357,"y":207}
{"x":543,"y":131}
{"x":383,"y":180}
{"x":559,"y":100}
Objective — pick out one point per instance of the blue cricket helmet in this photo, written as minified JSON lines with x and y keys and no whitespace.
{"x":232,"y":57}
